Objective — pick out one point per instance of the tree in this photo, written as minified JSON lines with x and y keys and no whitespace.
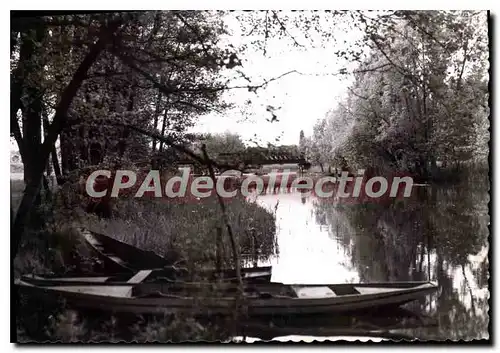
{"x":86,"y":77}
{"x":225,"y":143}
{"x":419,"y":93}
{"x":312,"y":152}
{"x":35,"y":160}
{"x":302,"y":143}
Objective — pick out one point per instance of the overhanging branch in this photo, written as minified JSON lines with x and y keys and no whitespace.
{"x":129,"y":61}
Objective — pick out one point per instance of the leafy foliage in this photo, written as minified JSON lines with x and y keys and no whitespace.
{"x":217,"y":144}
{"x":419,"y":96}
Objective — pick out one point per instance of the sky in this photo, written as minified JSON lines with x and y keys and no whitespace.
{"x":303,"y":97}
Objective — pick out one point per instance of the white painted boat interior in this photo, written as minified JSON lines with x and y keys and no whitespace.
{"x":254,"y":274}
{"x":140,"y":276}
{"x":112,"y":291}
{"x":313,"y":292}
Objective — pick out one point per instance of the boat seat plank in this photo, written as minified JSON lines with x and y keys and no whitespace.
{"x":140,"y":276}
{"x":313,"y":292}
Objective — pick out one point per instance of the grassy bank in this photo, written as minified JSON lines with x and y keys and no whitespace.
{"x":188,"y":230}
{"x":191,"y":230}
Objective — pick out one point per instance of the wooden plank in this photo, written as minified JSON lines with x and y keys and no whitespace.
{"x":79,"y":279}
{"x":313,"y":292}
{"x":116,"y":259}
{"x":111,"y":291}
{"x":255,"y":274}
{"x":140,"y":276}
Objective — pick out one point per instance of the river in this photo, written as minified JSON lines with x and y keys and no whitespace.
{"x":439,"y":233}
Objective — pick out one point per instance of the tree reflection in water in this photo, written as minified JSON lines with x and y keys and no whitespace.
{"x":441,"y":232}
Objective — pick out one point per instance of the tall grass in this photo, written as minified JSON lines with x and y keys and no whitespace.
{"x":189,"y":230}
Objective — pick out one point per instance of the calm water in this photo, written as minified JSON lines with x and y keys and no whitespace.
{"x":440,"y":233}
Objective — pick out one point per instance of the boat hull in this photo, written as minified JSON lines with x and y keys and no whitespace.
{"x":123,"y":301}
{"x":118,"y":256}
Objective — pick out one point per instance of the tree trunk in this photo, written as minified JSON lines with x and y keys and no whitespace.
{"x":32,"y":114}
{"x":31,"y":71}
{"x":64,"y":153}
{"x":122,"y":146}
{"x":23,"y":69}
{"x":57,"y":168}
{"x":156,"y":116}
{"x":60,"y":118}
{"x":46,"y":125}
{"x":164,"y":125}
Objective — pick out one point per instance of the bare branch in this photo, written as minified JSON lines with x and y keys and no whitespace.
{"x":401,"y":70}
{"x":105,"y":74}
{"x":283,"y":28}
{"x":129,"y":61}
{"x":373,"y":69}
{"x":459,"y":80}
{"x":424,"y":31}
{"x":194,"y":31}
{"x":357,"y":95}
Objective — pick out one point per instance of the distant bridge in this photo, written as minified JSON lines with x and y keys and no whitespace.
{"x":261,"y":157}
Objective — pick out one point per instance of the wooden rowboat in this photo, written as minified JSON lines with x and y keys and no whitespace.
{"x":171,"y":274}
{"x":119,"y":257}
{"x":260,"y":299}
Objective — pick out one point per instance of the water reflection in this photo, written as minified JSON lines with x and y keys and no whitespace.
{"x":440,"y":233}
{"x":308,"y":253}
